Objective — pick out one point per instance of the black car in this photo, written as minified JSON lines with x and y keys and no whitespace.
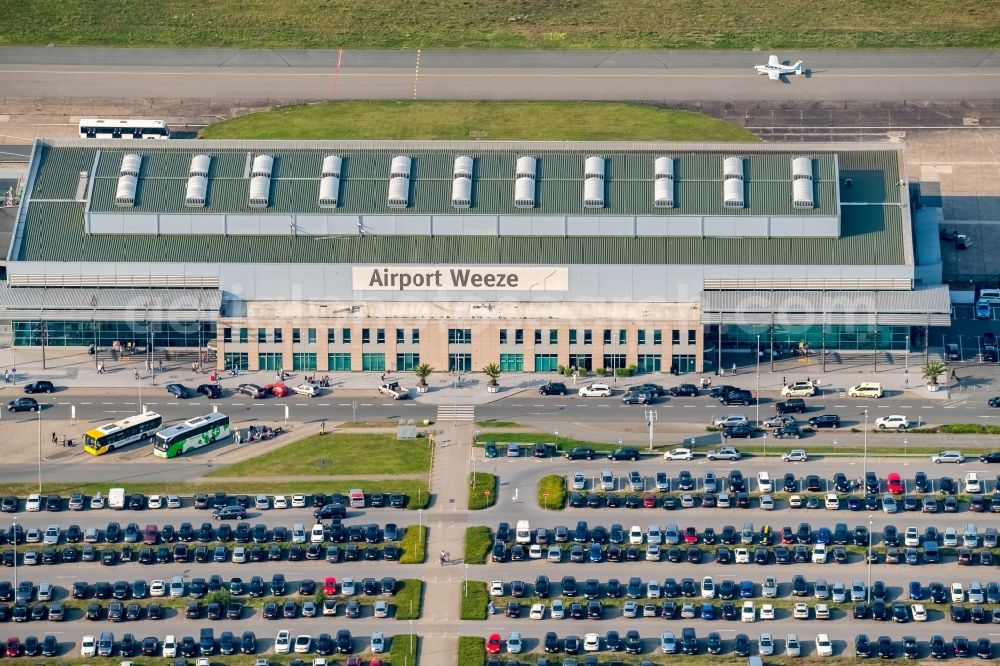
{"x":637,"y":398}
{"x":178,"y":391}
{"x":654,"y":390}
{"x":624,"y":453}
{"x":946,"y":485}
{"x":23,"y":405}
{"x":788,"y":431}
{"x":744,"y":432}
{"x":993,"y":457}
{"x":581,"y":453}
{"x":886,"y":649}
{"x":922,"y":484}
{"x":960,"y":644}
{"x":251,"y":390}
{"x":552,"y":388}
{"x":41,"y":386}
{"x":210,"y":390}
{"x":719,"y":391}
{"x":551,"y":642}
{"x":738,"y":397}
{"x":825,"y":421}
{"x":741,"y":645}
{"x":790,"y":406}
{"x":862,"y":646}
{"x":686,"y":390}
{"x":633,"y":643}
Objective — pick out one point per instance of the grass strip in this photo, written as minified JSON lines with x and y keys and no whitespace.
{"x":474,"y":599}
{"x":414,"y":545}
{"x":403,"y":649}
{"x":409,"y":599}
{"x":336,"y":453}
{"x":561,"y":443}
{"x":552,"y":492}
{"x":471,"y":651}
{"x":478,"y":540}
{"x":482,"y":490}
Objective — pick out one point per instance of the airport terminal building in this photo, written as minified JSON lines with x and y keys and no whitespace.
{"x":371,"y":256}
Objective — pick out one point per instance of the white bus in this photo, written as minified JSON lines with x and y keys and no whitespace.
{"x":190,"y":435}
{"x":119,"y":128}
{"x":121,"y":433}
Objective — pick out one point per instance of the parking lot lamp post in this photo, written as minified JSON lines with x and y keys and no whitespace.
{"x":466,"y":580}
{"x":765,"y":443}
{"x":865,"y":474}
{"x":14,"y":523}
{"x":869,"y":559}
{"x":39,"y":449}
{"x":906,"y":356}
{"x":474,"y":443}
{"x":905,"y":443}
{"x":757,"y":394}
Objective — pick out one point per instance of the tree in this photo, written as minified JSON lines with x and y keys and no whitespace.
{"x":933,"y":370}
{"x":493,"y":372}
{"x":423,"y":371}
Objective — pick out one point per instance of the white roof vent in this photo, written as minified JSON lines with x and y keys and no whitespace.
{"x":197,"y":191}
{"x":125,"y":194}
{"x":260,"y":190}
{"x":262,"y":166}
{"x":524,"y":192}
{"x":732,"y":167}
{"x":400,"y":167}
{"x":802,"y":183}
{"x":331,"y":166}
{"x":461,"y":192}
{"x":329,"y":192}
{"x":663,"y":167}
{"x":732,"y":189}
{"x":593,"y":167}
{"x":200,"y":165}
{"x":525,"y":167}
{"x":802,"y":167}
{"x":130,"y":165}
{"x":463,"y":166}
{"x":399,"y":192}
{"x":663,"y":192}
{"x":593,"y":193}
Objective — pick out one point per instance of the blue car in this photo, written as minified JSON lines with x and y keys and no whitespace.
{"x":707,"y":612}
{"x":746,"y":589}
{"x":595,"y":555}
{"x":824,"y":535}
{"x":916,"y":590}
{"x":983,"y":310}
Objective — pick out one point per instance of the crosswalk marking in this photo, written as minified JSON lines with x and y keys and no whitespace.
{"x":456,"y":412}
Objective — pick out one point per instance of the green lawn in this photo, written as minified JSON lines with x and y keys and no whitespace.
{"x":478,"y":540}
{"x":536,"y":121}
{"x":337,"y":454}
{"x":562,"y":443}
{"x":510,"y":24}
{"x":552,"y":492}
{"x":482,"y":490}
{"x":403,"y":650}
{"x":409,"y":599}
{"x":471,"y":651}
{"x":414,"y":545}
{"x":475,"y":596}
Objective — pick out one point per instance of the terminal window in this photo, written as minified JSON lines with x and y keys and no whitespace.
{"x":503,"y":336}
{"x":380,"y":336}
{"x":657,"y":337}
{"x":519,"y":336}
{"x":642,"y":336}
{"x":415,"y":336}
{"x":331,"y":335}
{"x":227,"y":335}
{"x":311,"y":336}
{"x":400,"y":336}
{"x":572,"y":336}
{"x":261,"y":335}
{"x":675,"y":336}
{"x":244,"y":335}
{"x":459,"y":336}
{"x":345,"y":335}
{"x":277,"y":335}
{"x":296,"y":335}
{"x":553,"y":336}
{"x":366,"y":336}
{"x":622,"y":336}
{"x":588,"y":337}
{"x":692,"y":336}
{"x":538,"y":336}
{"x":607,"y":336}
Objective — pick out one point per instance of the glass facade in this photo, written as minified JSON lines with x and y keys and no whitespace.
{"x":460,"y":362}
{"x":682,"y":363}
{"x":649,"y":363}
{"x":339,"y":362}
{"x":373,"y":361}
{"x":546,"y":362}
{"x":60,"y":333}
{"x":581,"y":361}
{"x":512,"y":362}
{"x":406,"y":362}
{"x":304,"y":361}
{"x":270,"y":361}
{"x":238,"y":360}
{"x":615,"y":361}
{"x":817,"y":337}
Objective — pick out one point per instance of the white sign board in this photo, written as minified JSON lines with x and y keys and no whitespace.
{"x":460,"y":278}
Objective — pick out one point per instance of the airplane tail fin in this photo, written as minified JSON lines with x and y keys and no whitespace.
{"x":798,"y":67}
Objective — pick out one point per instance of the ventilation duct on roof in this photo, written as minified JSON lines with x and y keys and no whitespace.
{"x":400,"y":167}
{"x":525,"y":167}
{"x":593,"y":182}
{"x":329,"y":192}
{"x":463,"y":167}
{"x":461,"y":184}
{"x":125,"y":194}
{"x":732,"y":184}
{"x":663,"y":182}
{"x":200,"y":164}
{"x":593,"y":167}
{"x":260,"y":191}
{"x":802,"y":183}
{"x":197,"y":191}
{"x":262,"y":166}
{"x":130,"y":165}
{"x":524,"y":192}
{"x":399,"y":182}
{"x":331,"y":166}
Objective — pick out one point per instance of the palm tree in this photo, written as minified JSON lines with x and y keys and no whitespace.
{"x":933,"y":370}
{"x":423,"y":371}
{"x":493,"y":372}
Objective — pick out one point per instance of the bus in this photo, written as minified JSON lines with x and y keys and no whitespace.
{"x":123,"y":128}
{"x":121,"y":433}
{"x":190,"y":435}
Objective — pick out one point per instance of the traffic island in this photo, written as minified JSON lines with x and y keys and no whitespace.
{"x":414,"y":545}
{"x":552,"y":492}
{"x":475,"y":597}
{"x":409,"y":599}
{"x":482,"y":490}
{"x":478,"y":541}
{"x":471,"y":651}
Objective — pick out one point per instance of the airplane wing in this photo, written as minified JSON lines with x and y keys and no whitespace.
{"x":774,"y":75}
{"x":773,"y":61}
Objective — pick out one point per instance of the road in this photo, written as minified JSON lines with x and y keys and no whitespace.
{"x":885,"y":76}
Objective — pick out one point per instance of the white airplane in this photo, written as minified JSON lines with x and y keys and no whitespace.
{"x":775,"y":70}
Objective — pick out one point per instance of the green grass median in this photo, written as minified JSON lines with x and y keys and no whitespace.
{"x":478,"y":541}
{"x":475,"y":596}
{"x":414,"y":545}
{"x":552,"y":492}
{"x":403,"y":650}
{"x":562,"y":444}
{"x":409,"y":599}
{"x":471,"y":651}
{"x":482,"y":490}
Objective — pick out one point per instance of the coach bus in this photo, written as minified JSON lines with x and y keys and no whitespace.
{"x":121,"y":433}
{"x":190,"y":435}
{"x":127,"y":128}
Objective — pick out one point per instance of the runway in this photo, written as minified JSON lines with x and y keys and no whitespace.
{"x":668,"y":76}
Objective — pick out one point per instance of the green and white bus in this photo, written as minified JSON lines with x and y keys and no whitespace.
{"x":190,"y":435}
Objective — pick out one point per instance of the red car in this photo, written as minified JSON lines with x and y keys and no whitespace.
{"x":277,"y":389}
{"x":894,"y":483}
{"x":330,"y":585}
{"x":13,"y":646}
{"x":787,"y":536}
{"x":648,"y":501}
{"x":493,"y":644}
{"x":690,"y":535}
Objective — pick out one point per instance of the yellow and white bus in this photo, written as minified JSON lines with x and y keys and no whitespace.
{"x":121,"y":433}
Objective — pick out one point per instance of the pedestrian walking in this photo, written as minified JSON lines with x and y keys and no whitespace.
{"x":784,"y":381}
{"x":55,"y":440}
{"x":64,"y":440}
{"x":239,"y":436}
{"x":6,"y":376}
{"x":734,"y":369}
{"x":322,"y":427}
{"x":954,"y":377}
{"x":137,"y":374}
{"x":161,"y":366}
{"x":382,"y":379}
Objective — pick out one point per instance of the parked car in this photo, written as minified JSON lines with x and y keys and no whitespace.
{"x":552,"y":388}
{"x":40,"y":386}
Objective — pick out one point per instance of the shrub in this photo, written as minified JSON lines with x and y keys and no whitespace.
{"x":478,"y":540}
{"x":479,"y":483}
{"x":969,"y":429}
{"x":600,"y":372}
{"x":414,"y":545}
{"x":555,"y":486}
{"x":560,"y":369}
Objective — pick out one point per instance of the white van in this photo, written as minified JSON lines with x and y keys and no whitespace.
{"x":116,"y":498}
{"x":522,"y":534}
{"x":357,"y":498}
{"x":318,"y":534}
{"x":764,"y":482}
{"x":298,"y":533}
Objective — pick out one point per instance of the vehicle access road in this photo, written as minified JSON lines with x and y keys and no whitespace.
{"x":882,"y":75}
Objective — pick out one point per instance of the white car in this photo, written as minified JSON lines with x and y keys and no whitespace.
{"x":668,"y":643}
{"x":591,"y":643}
{"x":654,"y":535}
{"x":943,"y":457}
{"x":595,"y":391}
{"x":154,"y":502}
{"x":157,"y":588}
{"x":919,"y":613}
{"x":769,"y":588}
{"x":950,"y":538}
{"x":317,"y":534}
{"x":537,"y":612}
{"x":792,"y":646}
{"x":859,"y":591}
{"x":889,"y":504}
{"x":707,"y":588}
{"x":239,"y":555}
{"x":748,"y":613}
{"x":177,"y":587}
{"x":653,"y":553}
{"x":381,"y":608}
{"x":832,"y":502}
{"x":51,"y":537}
{"x":302,"y":644}
{"x":972,"y":483}
{"x":534,"y":552}
{"x":34,"y":503}
{"x":97,"y":501}
{"x":742,"y":556}
{"x":678,"y":454}
{"x":652,"y":590}
{"x":731,"y":421}
{"x":767,"y":611}
{"x":800,"y":611}
{"x":894,"y":421}
{"x":976,"y":593}
{"x":822,"y":612}
{"x":283,"y":641}
{"x":767,"y":503}
{"x":310,"y":390}
{"x":765,"y":646}
{"x":911,"y":537}
{"x":173,"y":502}
{"x":557,"y":610}
{"x":796,"y":455}
{"x":865,"y":390}
{"x":170,"y":646}
{"x":824,"y":648}
{"x":607,"y":480}
{"x":262,"y":503}
{"x":554,"y":554}
{"x":635,"y":535}
{"x":765,"y":483}
{"x":496,"y":588}
{"x":88,"y":646}
{"x":298,"y":501}
{"x":514,"y":642}
{"x":280,"y":502}
{"x":348,"y":587}
{"x":724,"y":453}
{"x":579,"y":481}
{"x":378,"y":642}
{"x":957,"y":593}
{"x":795,"y":501}
{"x":819,"y":554}
{"x":798,"y":390}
